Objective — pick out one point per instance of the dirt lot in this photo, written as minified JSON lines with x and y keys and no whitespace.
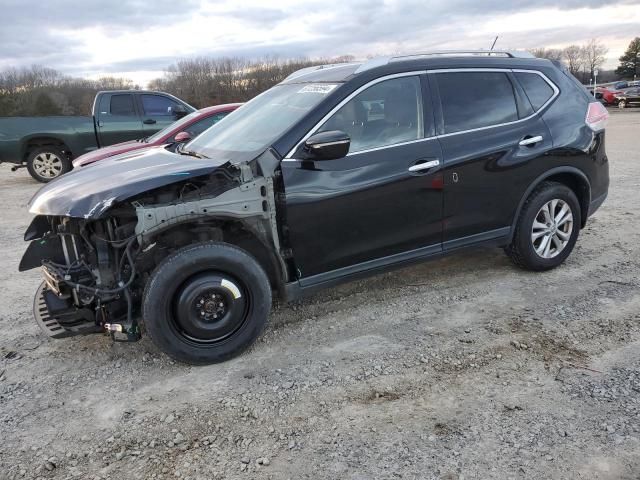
{"x":460,"y":368}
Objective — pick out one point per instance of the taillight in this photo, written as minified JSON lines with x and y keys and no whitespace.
{"x":597,"y":116}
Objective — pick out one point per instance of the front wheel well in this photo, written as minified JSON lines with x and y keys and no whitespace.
{"x":231,"y":231}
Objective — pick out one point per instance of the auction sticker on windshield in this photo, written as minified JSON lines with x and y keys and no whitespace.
{"x":324,"y":89}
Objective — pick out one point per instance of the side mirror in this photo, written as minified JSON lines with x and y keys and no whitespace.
{"x":327,"y":145}
{"x":182,"y":137}
{"x":179,"y":111}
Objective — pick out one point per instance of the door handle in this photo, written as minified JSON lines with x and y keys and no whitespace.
{"x":149,"y":121}
{"x":530,"y":141}
{"x":424,"y":166}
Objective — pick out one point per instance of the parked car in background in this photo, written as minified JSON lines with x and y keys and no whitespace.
{"x":184,"y":130}
{"x":599,"y":93}
{"x":628,"y":84}
{"x":47,"y":145}
{"x":608,"y":96}
{"x":629,"y":97}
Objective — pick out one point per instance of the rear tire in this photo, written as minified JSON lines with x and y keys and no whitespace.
{"x":547,"y":228}
{"x":47,"y":163}
{"x":206,"y":303}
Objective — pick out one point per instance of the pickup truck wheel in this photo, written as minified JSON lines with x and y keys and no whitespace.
{"x":206,"y":303}
{"x":547,"y":229}
{"x":46,"y":163}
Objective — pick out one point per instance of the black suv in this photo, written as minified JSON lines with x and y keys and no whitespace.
{"x":338,"y":172}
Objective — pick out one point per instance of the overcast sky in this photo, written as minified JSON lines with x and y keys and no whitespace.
{"x":140,"y":38}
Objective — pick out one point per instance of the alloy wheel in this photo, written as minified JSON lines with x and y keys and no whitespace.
{"x":552,"y":228}
{"x":47,"y":165}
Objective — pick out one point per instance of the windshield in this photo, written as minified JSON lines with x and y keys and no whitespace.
{"x":179,"y":124}
{"x":254,"y":126}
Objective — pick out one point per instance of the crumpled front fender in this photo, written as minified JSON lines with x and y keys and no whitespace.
{"x":90,"y":191}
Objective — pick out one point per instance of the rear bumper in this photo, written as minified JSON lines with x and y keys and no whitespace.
{"x":596,"y":203}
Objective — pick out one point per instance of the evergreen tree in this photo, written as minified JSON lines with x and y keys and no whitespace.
{"x":630,"y":61}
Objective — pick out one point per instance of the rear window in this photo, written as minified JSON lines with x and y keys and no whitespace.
{"x":537,"y":89}
{"x":122,"y":105}
{"x":476,"y":99}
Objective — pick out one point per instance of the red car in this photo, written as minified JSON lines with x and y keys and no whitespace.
{"x":181,"y":131}
{"x":609,"y":96}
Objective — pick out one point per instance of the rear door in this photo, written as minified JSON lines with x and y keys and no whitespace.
{"x":493,"y":144}
{"x":117,"y":119}
{"x":372,"y":207}
{"x":157,"y":112}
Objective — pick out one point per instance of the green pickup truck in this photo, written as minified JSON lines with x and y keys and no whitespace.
{"x":47,"y":145}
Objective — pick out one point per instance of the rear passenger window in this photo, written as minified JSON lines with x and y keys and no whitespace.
{"x":475,"y":100}
{"x":536,"y":88}
{"x":385,"y":114}
{"x":122,"y":105}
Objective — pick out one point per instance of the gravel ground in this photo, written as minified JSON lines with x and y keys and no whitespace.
{"x":465,"y":367}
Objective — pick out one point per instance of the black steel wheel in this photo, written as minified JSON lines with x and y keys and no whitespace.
{"x":206,"y":303}
{"x":209,"y":307}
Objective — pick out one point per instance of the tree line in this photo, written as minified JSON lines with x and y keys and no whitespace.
{"x":583,"y":60}
{"x":39,"y":90}
{"x":208,"y":81}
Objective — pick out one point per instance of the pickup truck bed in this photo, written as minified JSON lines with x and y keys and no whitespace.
{"x":47,"y":145}
{"x":78,"y":134}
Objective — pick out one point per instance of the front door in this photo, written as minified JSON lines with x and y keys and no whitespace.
{"x":383,"y":201}
{"x":157,"y":112}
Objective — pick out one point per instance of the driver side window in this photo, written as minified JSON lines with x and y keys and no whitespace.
{"x":384,"y":114}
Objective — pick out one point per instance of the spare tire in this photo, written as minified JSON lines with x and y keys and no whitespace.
{"x":206,"y":303}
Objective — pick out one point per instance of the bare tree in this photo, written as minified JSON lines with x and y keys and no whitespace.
{"x":200,"y":81}
{"x":594,"y":55}
{"x":40,"y":90}
{"x":549,"y":53}
{"x":210,"y":81}
{"x":574,"y":58}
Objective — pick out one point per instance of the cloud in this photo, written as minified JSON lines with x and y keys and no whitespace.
{"x":91,"y":37}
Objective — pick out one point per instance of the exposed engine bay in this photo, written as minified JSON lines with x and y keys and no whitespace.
{"x":95,"y":267}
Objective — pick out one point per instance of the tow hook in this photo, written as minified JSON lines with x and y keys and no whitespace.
{"x":122,"y":333}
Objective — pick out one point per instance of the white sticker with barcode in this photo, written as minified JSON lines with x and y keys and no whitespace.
{"x":324,"y":89}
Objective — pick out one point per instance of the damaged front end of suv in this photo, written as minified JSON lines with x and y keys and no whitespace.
{"x":99,"y":234}
{"x":191,"y":242}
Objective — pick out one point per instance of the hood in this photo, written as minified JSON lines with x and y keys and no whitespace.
{"x":89,"y":192}
{"x":109,"y":151}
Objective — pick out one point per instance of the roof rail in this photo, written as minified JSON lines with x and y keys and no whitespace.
{"x":304,"y":71}
{"x":379,"y":61}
